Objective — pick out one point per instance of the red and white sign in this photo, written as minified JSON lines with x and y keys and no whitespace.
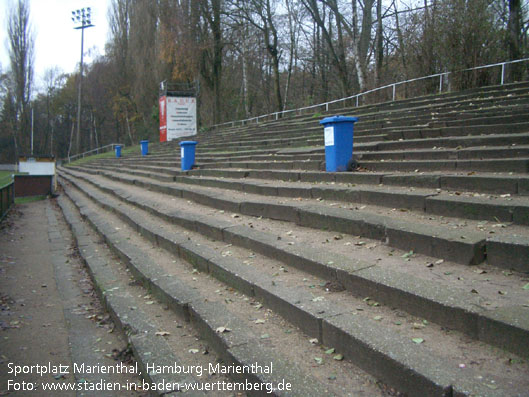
{"x":178,"y":117}
{"x":163,"y":120}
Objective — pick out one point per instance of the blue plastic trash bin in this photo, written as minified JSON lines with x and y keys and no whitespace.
{"x":144,"y":148}
{"x":187,"y":154}
{"x":338,"y":131}
{"x":118,"y":151}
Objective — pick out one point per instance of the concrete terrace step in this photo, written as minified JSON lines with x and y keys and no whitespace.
{"x":413,"y":154}
{"x":496,"y":183}
{"x":517,"y":165}
{"x":170,"y":285}
{"x":462,"y":153}
{"x":115,"y":289}
{"x":387,"y":353}
{"x":495,"y":96}
{"x":436,"y":111}
{"x":434,"y":201}
{"x":439,"y":124}
{"x":466,"y":244}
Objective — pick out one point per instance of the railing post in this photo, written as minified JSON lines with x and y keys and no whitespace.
{"x":502,"y":72}
{"x":327,"y":107}
{"x":357,"y":100}
{"x":393,"y":91}
{"x":441,"y":83}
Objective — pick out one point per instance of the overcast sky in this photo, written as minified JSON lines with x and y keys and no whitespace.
{"x":57,"y":43}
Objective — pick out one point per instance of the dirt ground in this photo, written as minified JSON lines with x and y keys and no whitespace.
{"x":50,"y":318}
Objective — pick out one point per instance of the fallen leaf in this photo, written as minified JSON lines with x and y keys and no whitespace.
{"x":265,"y":336}
{"x":418,"y":340}
{"x":338,"y":357}
{"x":377,"y":318}
{"x":313,"y":341}
{"x":319,"y":360}
{"x":193,"y":351}
{"x":526,"y":286}
{"x":407,"y":254}
{"x":161,"y":333}
{"x":259,"y":321}
{"x":220,"y":330}
{"x":330,"y":351}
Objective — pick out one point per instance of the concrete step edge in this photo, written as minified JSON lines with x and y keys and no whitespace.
{"x":470,"y":319}
{"x":408,"y":370}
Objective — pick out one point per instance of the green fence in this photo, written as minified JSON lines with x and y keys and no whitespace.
{"x":7,"y":198}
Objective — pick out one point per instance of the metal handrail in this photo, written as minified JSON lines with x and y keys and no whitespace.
{"x":393,"y":86}
{"x":97,"y":150}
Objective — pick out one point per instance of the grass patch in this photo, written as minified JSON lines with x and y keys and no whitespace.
{"x":106,"y":155}
{"x":25,"y":200}
{"x":5,"y":177}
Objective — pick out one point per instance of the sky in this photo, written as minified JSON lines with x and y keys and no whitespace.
{"x":57,"y":43}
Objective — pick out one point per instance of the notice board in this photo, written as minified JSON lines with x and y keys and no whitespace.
{"x":178,"y":117}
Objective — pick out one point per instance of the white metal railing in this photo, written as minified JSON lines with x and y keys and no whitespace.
{"x":98,"y":150}
{"x":356,"y":97}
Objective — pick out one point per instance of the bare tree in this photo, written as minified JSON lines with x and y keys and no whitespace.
{"x":515,"y":37}
{"x":21,"y":55}
{"x":261,"y":14}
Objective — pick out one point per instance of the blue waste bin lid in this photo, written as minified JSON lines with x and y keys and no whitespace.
{"x":338,"y":119}
{"x":146,"y":141}
{"x":188,"y":143}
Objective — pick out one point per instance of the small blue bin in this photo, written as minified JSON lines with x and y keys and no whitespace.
{"x":187,"y":154}
{"x":144,"y":148}
{"x":118,"y":150}
{"x":338,"y":131}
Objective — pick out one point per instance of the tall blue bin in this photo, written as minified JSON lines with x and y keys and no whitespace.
{"x":338,"y":131}
{"x":118,"y":150}
{"x":187,"y":154}
{"x":144,"y":148}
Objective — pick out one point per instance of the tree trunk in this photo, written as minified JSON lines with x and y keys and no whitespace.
{"x":379,"y":45}
{"x":514,"y":31}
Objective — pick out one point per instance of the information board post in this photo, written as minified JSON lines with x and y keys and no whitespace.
{"x":178,"y":111}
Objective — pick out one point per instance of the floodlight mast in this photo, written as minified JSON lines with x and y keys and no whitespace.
{"x":83,"y":19}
